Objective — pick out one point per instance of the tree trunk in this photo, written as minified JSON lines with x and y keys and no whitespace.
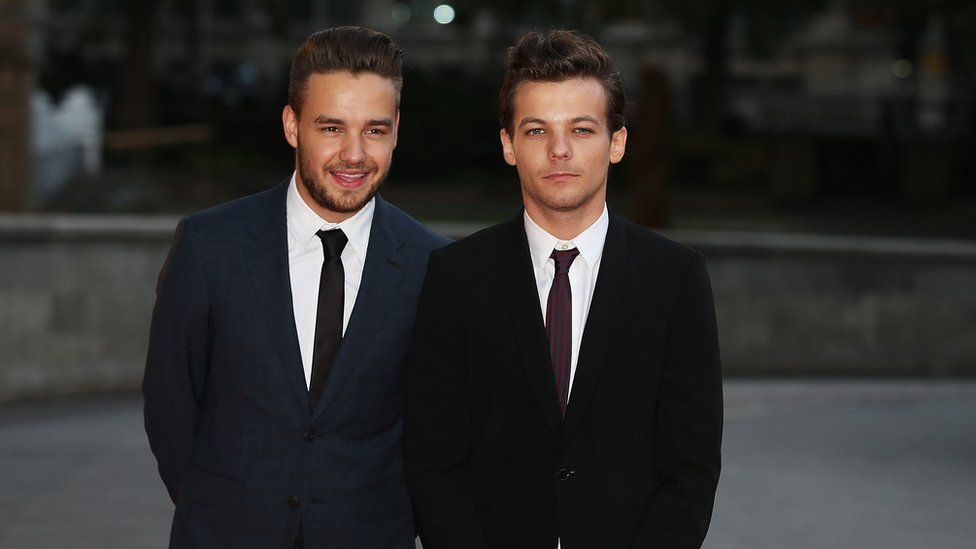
{"x":712,"y":86}
{"x":16,"y":77}
{"x":136,"y":101}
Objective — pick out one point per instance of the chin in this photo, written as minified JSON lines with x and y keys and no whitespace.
{"x":563,"y":203}
{"x":347,"y":201}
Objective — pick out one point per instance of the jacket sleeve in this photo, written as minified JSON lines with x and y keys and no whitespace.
{"x":438,"y":418}
{"x":688,"y":421}
{"x":178,"y":359}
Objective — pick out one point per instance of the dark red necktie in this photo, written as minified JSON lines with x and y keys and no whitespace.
{"x":559,"y":323}
{"x":328,"y":320}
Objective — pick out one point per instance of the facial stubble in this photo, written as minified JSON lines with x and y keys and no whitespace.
{"x":339,"y":202}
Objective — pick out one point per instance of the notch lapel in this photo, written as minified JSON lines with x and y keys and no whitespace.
{"x":382,"y":274}
{"x":267,"y":260}
{"x":600,"y":325}
{"x":530,"y":329}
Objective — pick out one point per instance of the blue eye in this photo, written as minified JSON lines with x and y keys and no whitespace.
{"x":535,"y":131}
{"x":583,"y":130}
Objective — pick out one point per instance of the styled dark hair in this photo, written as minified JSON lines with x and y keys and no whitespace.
{"x":554,"y":57}
{"x":353,"y":49}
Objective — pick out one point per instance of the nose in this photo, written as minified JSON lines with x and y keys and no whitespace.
{"x":560,"y":147}
{"x":353,"y":151}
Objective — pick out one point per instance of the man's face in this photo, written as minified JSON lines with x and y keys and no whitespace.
{"x":343,"y":139}
{"x":561,"y":146}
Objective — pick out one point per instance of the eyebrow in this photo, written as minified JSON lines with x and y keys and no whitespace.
{"x":323,"y":119}
{"x":577,"y":120}
{"x":585,"y":118}
{"x":531,"y":120}
{"x":329,"y":120}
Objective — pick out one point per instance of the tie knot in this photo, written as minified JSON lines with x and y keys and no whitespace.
{"x":333,"y":242}
{"x":564,"y":259}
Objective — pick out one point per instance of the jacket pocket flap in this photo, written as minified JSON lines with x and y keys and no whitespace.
{"x":214,"y":490}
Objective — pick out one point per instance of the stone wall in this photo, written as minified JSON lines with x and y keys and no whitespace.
{"x":76,"y":293}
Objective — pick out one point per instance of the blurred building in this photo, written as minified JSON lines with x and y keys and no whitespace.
{"x":830,"y":84}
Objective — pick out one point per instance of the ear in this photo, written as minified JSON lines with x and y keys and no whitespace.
{"x":396,"y":127}
{"x":508,"y":151}
{"x":618,"y":143}
{"x":289,"y":122}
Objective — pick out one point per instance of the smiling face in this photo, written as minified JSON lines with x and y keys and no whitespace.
{"x":344,"y":138}
{"x":561,"y":147}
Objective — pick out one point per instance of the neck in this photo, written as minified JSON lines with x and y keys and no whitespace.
{"x":565,"y":224}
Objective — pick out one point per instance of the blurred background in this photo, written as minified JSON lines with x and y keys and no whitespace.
{"x":820,"y":153}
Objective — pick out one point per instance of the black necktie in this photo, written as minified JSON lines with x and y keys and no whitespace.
{"x":328,"y":319}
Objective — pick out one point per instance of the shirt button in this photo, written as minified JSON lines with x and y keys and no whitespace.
{"x":294,"y":501}
{"x":310,"y":435}
{"x":565,"y":474}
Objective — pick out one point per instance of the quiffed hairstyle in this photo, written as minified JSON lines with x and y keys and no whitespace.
{"x":554,"y":57}
{"x":353,"y":49}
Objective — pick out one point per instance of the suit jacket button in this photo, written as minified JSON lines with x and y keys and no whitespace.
{"x":310,"y":435}
{"x":565,"y":473}
{"x":294,"y":501}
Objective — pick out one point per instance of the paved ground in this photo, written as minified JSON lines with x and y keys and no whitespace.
{"x":808,"y":465}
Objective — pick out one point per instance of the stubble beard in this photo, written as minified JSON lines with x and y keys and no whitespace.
{"x":560,"y":200}
{"x":339,"y":202}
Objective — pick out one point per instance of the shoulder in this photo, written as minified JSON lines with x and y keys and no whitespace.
{"x":646,"y":247}
{"x":488,"y":242}
{"x":231,"y":219}
{"x":489,"y":239}
{"x":409,"y":229}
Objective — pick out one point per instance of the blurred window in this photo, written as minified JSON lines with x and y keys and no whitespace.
{"x":183,"y":8}
{"x":341,"y":11}
{"x":65,"y":6}
{"x":300,"y":9}
{"x":227,"y":8}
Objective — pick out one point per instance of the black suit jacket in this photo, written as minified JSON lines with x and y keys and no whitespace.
{"x":634,"y":463}
{"x":244,"y":458}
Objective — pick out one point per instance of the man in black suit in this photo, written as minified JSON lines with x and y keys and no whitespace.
{"x":274,"y":385}
{"x":564,"y":384}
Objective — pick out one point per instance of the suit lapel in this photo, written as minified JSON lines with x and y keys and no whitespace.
{"x":267,"y":260}
{"x":600,"y":323}
{"x":530,"y":329}
{"x":382,"y":274}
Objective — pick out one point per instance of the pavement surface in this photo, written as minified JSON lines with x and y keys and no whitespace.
{"x":808,"y":465}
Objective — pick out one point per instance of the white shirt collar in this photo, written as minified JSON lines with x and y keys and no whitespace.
{"x":303,"y":222}
{"x":589,"y":242}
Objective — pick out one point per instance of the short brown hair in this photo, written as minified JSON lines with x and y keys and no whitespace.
{"x":353,"y":49}
{"x":554,"y":57}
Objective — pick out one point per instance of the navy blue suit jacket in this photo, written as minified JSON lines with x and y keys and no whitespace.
{"x":226,"y":406}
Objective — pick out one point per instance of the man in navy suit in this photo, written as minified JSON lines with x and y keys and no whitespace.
{"x":274,"y":384}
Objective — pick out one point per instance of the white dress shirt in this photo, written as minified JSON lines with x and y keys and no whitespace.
{"x":582,"y":273}
{"x":305,"y":258}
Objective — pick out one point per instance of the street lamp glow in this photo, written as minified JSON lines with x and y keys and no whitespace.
{"x":443,"y":14}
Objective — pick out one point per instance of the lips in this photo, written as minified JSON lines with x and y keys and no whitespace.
{"x":349,"y":179}
{"x":560,"y":176}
